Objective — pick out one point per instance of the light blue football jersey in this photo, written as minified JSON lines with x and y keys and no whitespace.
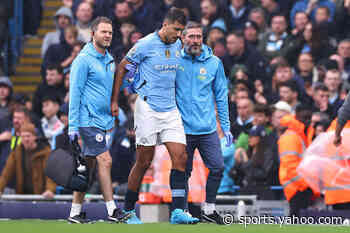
{"x":157,"y":64}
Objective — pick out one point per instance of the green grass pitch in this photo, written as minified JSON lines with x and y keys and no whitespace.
{"x":41,"y":226}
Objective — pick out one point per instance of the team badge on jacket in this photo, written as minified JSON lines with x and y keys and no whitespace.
{"x":203,"y":71}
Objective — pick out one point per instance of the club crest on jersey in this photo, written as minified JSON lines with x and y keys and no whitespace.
{"x":167,"y":53}
{"x":177,"y":54}
{"x":203,"y":71}
{"x":99,"y":137}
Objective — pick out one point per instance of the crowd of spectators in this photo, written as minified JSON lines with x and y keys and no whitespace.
{"x":277,"y":55}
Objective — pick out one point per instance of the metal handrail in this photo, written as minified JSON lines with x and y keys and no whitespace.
{"x":94,"y":197}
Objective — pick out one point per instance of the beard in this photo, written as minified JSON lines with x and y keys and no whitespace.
{"x":102,"y":45}
{"x":193,"y":50}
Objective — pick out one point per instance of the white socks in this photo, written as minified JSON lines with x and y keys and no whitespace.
{"x":208,"y":208}
{"x":110,"y":207}
{"x":75,"y":209}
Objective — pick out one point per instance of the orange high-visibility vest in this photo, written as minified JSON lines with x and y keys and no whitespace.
{"x":334,"y":123}
{"x":291,"y":146}
{"x":336,"y":175}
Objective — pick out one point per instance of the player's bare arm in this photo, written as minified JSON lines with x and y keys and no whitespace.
{"x":118,"y":80}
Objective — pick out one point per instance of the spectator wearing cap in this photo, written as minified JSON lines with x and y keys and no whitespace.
{"x":280,"y":109}
{"x":239,"y":52}
{"x":27,"y":163}
{"x":50,"y":123}
{"x":63,"y":18}
{"x":212,"y":15}
{"x":6,"y":90}
{"x":251,"y":33}
{"x":256,"y":165}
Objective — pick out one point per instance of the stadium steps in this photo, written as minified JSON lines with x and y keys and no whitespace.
{"x":27,"y":74}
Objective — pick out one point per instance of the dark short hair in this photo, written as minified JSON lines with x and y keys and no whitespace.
{"x":302,"y":107}
{"x":98,"y":20}
{"x":237,"y":33}
{"x":279,"y":15}
{"x":320,"y":87}
{"x":53,"y":66}
{"x":51,"y":97}
{"x":175,"y":15}
{"x":262,"y":108}
{"x":291,"y":84}
{"x":325,"y":8}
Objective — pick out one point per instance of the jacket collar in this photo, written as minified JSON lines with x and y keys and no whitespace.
{"x":90,"y":49}
{"x":40,"y":151}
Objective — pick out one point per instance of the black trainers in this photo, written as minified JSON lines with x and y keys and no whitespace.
{"x":119,"y":215}
{"x":79,"y":219}
{"x":212,"y":218}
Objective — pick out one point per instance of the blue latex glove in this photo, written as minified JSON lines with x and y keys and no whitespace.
{"x":74,"y":135}
{"x":229,"y":138}
{"x":131,"y":71}
{"x":130,"y":77}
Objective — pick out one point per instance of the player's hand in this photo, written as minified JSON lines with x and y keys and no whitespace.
{"x":337,"y":140}
{"x":48,"y":194}
{"x":114,"y":108}
{"x":229,"y":138}
{"x":131,"y":71}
